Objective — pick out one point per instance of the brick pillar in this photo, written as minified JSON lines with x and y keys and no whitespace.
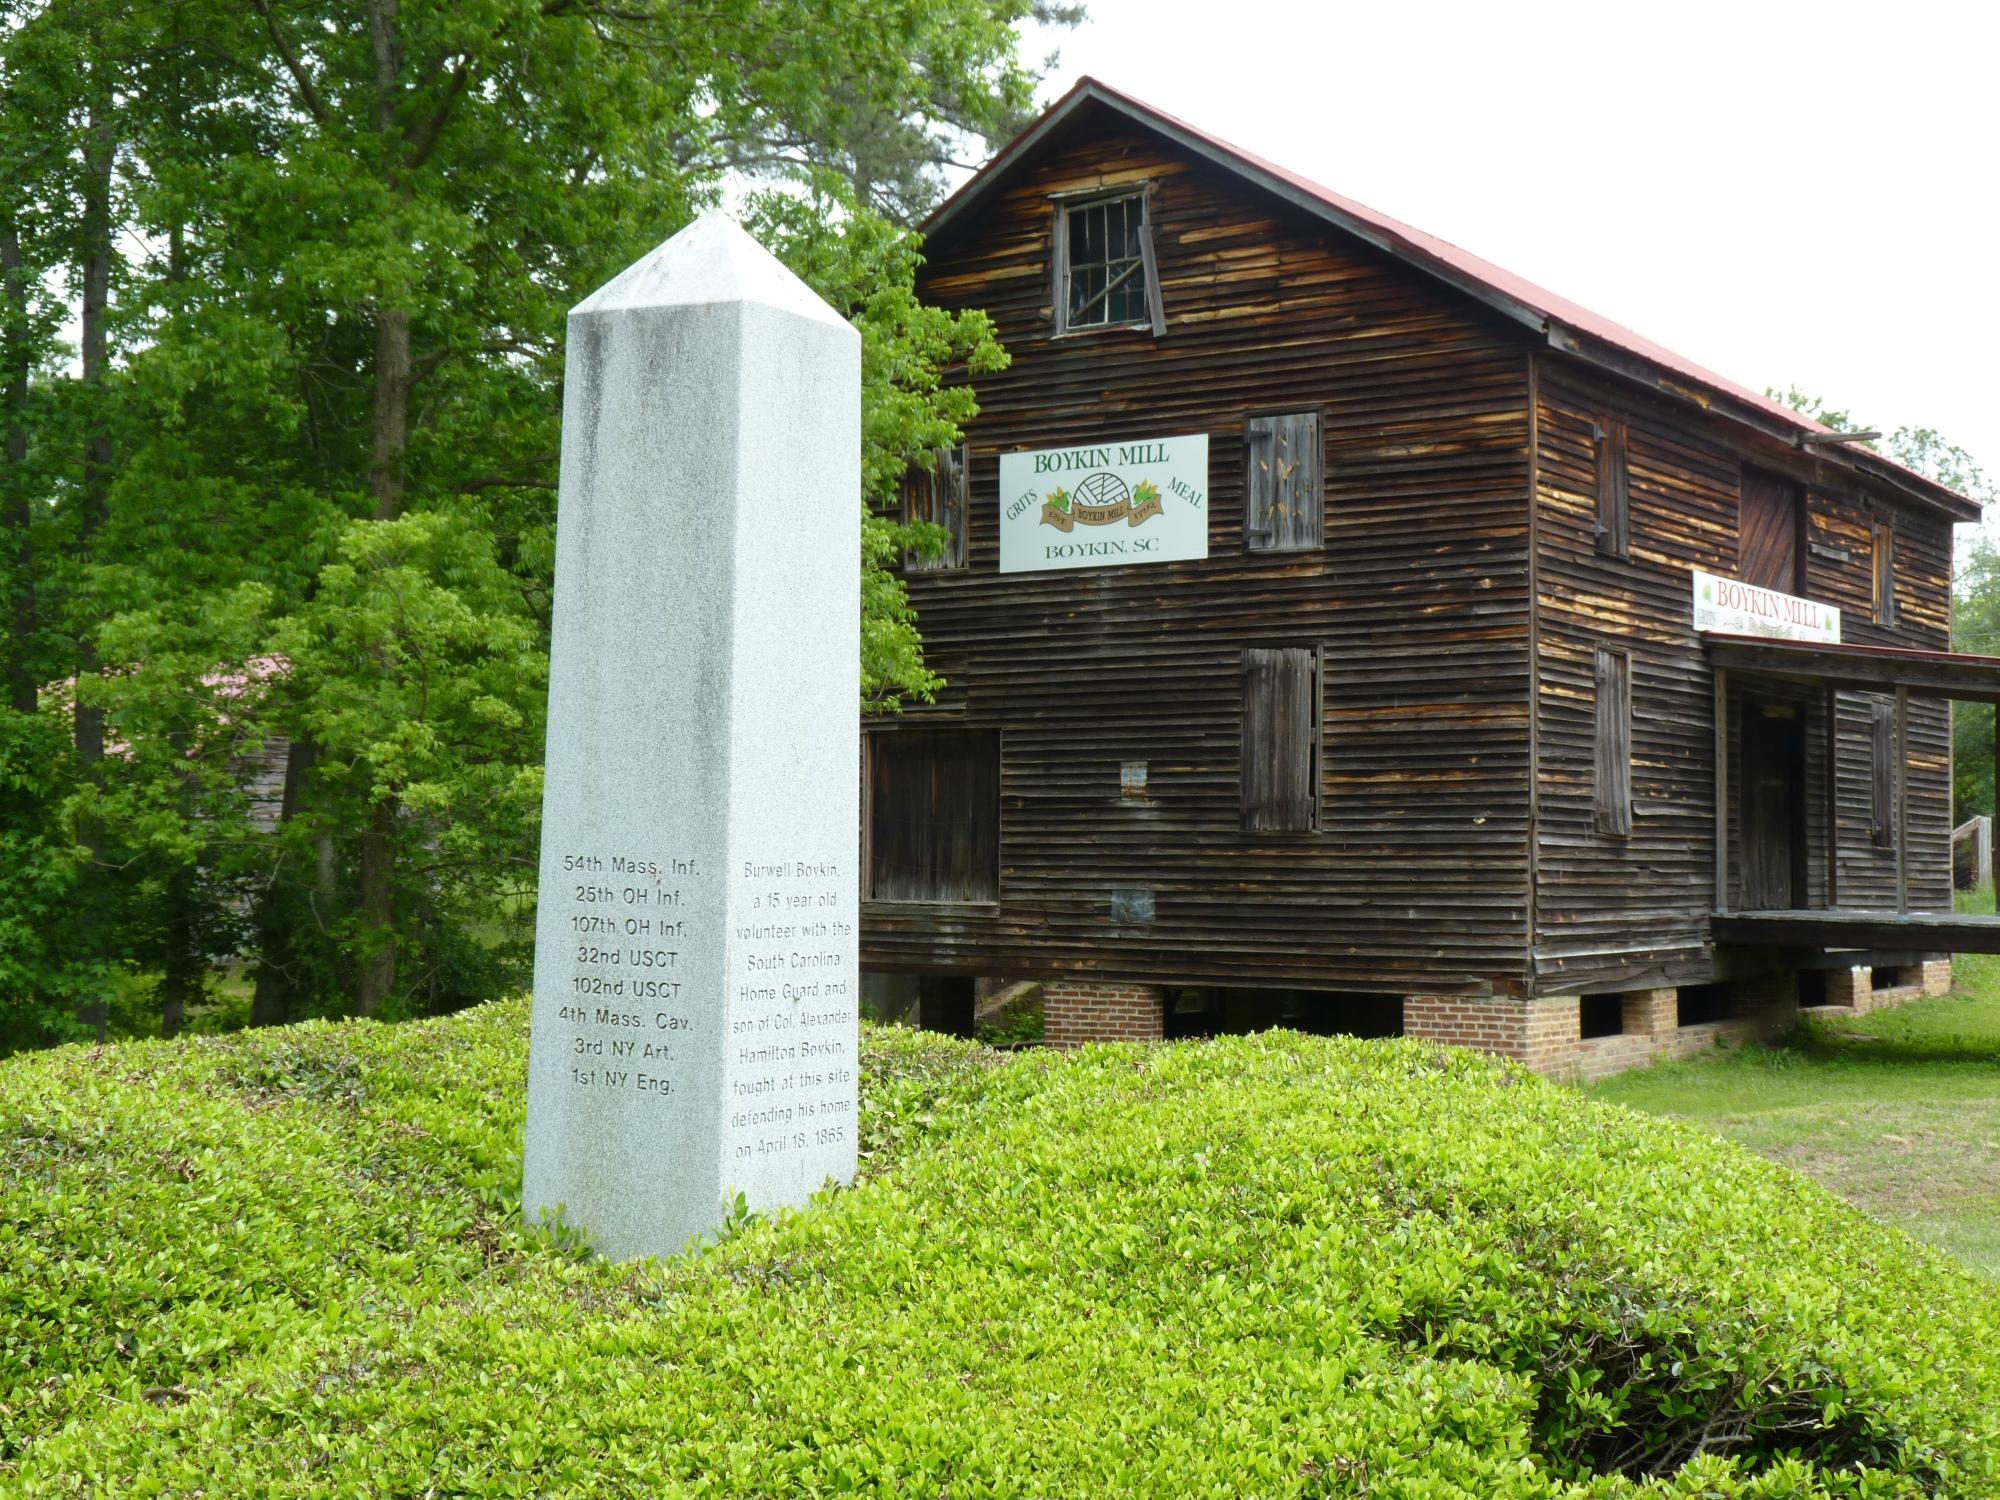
{"x":1850,"y":987}
{"x":1653,"y":1014}
{"x":1545,"y":1034}
{"x":1075,"y":1011}
{"x":1937,"y":976}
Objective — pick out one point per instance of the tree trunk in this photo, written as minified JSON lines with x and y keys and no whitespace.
{"x":100,"y":159}
{"x":271,"y":1000}
{"x":392,"y":412}
{"x":378,"y":907}
{"x":17,"y":514}
{"x":183,"y":971}
{"x":386,"y":482}
{"x":385,"y":479}
{"x":100,"y":156}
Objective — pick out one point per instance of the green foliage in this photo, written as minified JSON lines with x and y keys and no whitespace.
{"x":1025,"y":1026}
{"x":916,"y":361}
{"x":47,"y":962}
{"x":306,"y":498}
{"x":1975,"y":627}
{"x":415,"y":663}
{"x":288,"y":1264}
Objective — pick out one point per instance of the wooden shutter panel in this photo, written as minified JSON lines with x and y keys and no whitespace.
{"x":1281,"y":718}
{"x":1882,"y":770}
{"x":939,"y":492}
{"x":1769,"y":516}
{"x":1614,"y":742}
{"x":934,"y":815}
{"x":1285,"y":459}
{"x":1885,"y":576}
{"x":1614,"y":503}
{"x":1155,"y":306}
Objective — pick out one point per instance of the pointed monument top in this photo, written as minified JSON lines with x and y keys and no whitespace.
{"x":712,"y":260}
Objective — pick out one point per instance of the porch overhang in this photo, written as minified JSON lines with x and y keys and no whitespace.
{"x":1904,"y":673}
{"x":1863,"y":669}
{"x":1862,"y":929}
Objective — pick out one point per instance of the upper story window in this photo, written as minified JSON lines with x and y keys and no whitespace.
{"x":1105,"y":273}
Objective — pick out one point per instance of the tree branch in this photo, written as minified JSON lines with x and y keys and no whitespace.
{"x":425,"y":141}
{"x":308,"y":94}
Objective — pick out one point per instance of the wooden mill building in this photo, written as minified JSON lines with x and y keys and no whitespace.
{"x":1319,"y":612}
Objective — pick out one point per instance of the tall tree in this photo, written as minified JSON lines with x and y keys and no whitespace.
{"x":307,"y":503}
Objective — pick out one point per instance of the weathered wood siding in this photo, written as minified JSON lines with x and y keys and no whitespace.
{"x":1839,"y":523}
{"x":1614,"y":910}
{"x":1419,"y":600}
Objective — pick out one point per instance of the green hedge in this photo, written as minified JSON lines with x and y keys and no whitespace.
{"x":286,"y":1264}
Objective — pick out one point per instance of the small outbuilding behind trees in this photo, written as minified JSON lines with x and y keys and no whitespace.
{"x":1342,"y":631}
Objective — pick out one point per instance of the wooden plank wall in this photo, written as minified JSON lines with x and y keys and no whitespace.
{"x":1416,"y":879}
{"x":1615,"y":911}
{"x":1843,"y":523}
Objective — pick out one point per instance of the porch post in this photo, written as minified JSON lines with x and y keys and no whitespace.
{"x":1902,"y":799}
{"x":1993,"y":827}
{"x":1721,"y":789}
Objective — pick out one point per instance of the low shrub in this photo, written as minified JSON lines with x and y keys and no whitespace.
{"x":1275,"y":1266}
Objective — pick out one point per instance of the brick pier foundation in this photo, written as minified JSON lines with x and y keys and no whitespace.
{"x":1863,"y":989}
{"x":1075,"y":1011}
{"x":1546,"y":1034}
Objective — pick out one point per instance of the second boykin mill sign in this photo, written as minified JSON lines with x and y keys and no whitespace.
{"x":1730,"y":606}
{"x":1104,"y":504}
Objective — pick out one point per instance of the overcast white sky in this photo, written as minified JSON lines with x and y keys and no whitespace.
{"x":1789,"y":194}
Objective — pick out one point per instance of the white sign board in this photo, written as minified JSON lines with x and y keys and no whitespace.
{"x":1730,"y":606}
{"x":1104,"y":504}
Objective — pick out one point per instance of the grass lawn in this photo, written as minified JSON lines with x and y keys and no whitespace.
{"x":1898,"y":1112}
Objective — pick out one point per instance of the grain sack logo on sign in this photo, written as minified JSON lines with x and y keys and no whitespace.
{"x":1101,"y":500}
{"x":1104,"y":504}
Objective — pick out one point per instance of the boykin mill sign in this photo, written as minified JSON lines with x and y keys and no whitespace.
{"x":1730,"y":606}
{"x":1105,"y":504}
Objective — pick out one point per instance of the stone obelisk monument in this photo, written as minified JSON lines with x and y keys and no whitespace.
{"x":695,"y":953}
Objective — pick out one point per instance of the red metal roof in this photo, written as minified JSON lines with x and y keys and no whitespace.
{"x":1501,"y":288}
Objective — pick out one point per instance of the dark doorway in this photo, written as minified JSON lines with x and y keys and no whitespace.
{"x":945,"y":1002}
{"x":1771,"y":533}
{"x":1774,"y":807}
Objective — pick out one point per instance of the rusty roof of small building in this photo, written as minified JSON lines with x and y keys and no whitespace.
{"x":1568,"y":327}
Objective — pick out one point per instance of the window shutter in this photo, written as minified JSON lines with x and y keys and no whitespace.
{"x":939,"y":492}
{"x":1882,"y":768}
{"x":933,"y":803}
{"x":1614,"y":497}
{"x":1885,"y":576}
{"x":1281,"y":738}
{"x":1283,"y":484}
{"x":1770,"y":532}
{"x":1059,"y":266}
{"x":1614,"y":742}
{"x":1155,"y":308}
